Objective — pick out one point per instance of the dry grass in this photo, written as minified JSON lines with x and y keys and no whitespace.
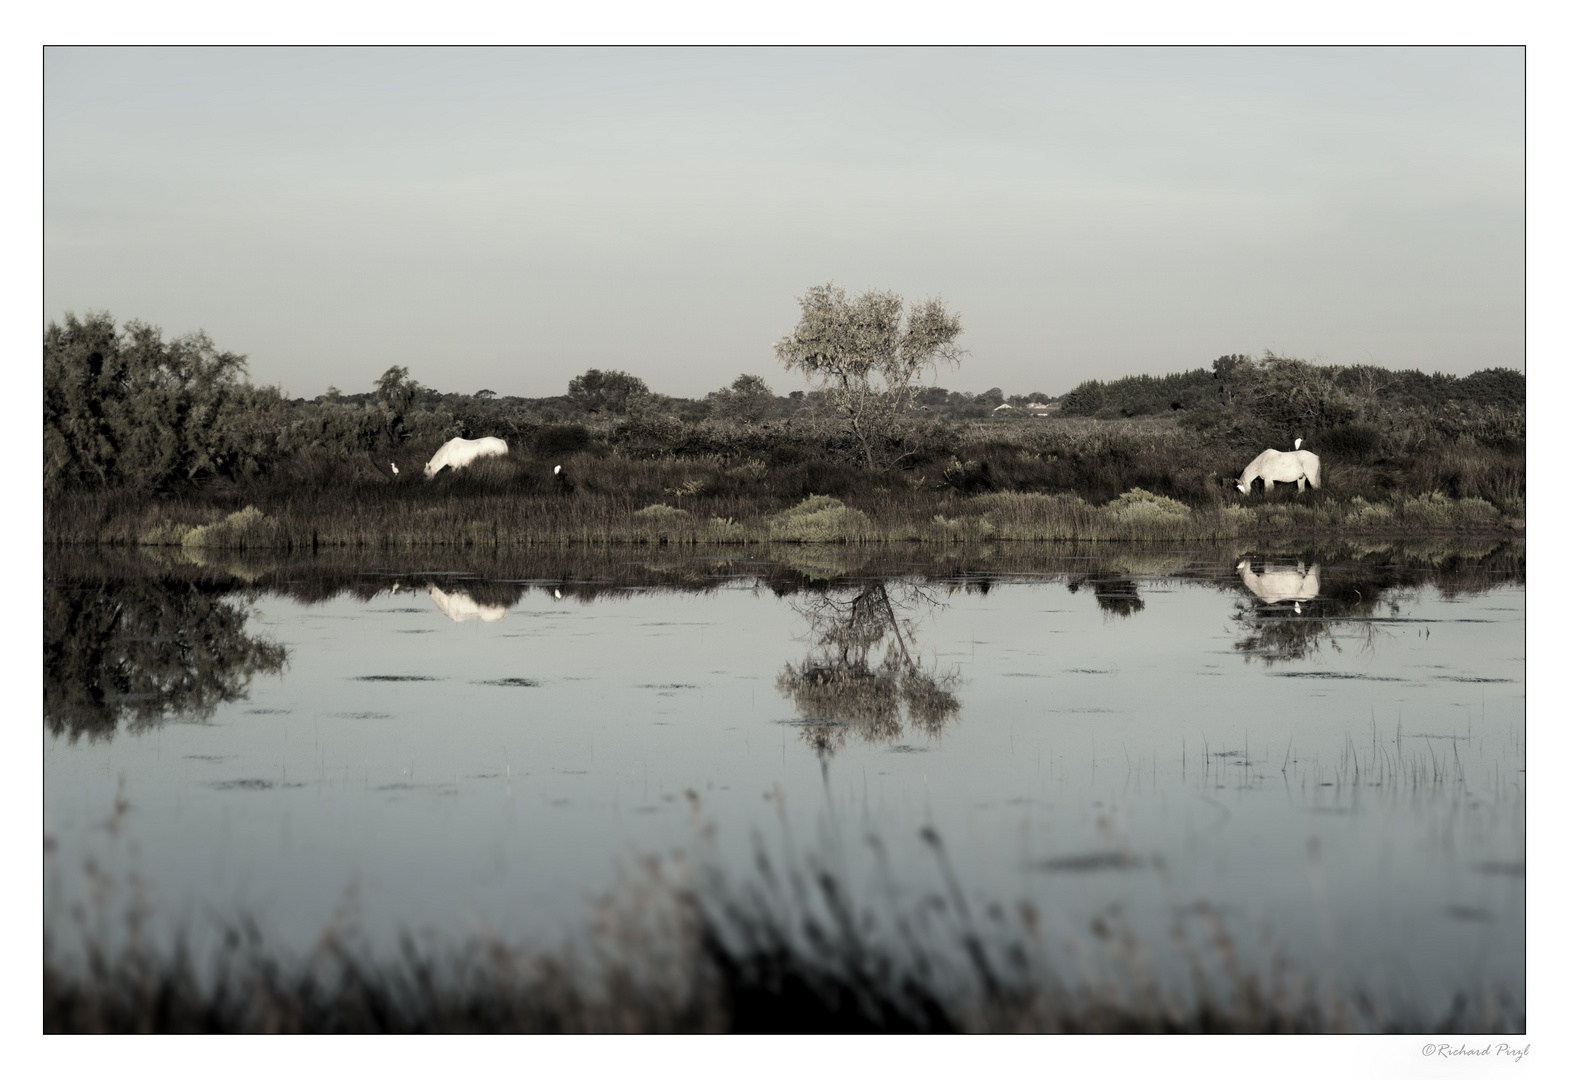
{"x":679,"y":948}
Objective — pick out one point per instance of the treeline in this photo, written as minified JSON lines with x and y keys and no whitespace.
{"x":123,"y":408}
{"x":140,"y":432}
{"x":1295,"y":393}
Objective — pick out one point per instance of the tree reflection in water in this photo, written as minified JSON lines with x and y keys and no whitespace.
{"x":145,"y":651}
{"x":863,"y":675}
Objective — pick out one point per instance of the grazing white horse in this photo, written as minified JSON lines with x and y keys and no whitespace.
{"x":456,"y":453}
{"x":461,"y":607}
{"x":1299,"y":467}
{"x":1279,"y":584}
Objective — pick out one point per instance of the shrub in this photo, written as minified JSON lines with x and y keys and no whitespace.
{"x":248,"y":528}
{"x":554,"y":440}
{"x":819,"y":519}
{"x":167,"y":534}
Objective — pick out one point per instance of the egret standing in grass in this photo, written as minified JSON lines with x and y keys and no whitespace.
{"x":563,"y":484}
{"x":394,"y":468}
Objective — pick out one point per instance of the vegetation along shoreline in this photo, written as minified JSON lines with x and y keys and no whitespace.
{"x":165,"y":442}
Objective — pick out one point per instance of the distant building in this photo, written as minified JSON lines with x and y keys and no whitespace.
{"x":1035,"y":408}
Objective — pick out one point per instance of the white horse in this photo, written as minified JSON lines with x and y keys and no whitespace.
{"x":1299,"y":467}
{"x":1278,"y":584}
{"x":461,"y":607}
{"x":456,"y":453}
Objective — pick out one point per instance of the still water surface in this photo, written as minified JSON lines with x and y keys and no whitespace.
{"x":1325,"y":745}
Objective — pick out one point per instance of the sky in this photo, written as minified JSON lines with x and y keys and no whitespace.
{"x":505,"y":219}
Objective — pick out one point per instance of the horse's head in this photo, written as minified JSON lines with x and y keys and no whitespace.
{"x":1242,"y":487}
{"x":429,"y":470}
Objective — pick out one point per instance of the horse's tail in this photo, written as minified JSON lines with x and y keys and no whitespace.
{"x":1314,"y":472}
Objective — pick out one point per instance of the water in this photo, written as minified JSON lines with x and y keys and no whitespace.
{"x":1327,"y":746}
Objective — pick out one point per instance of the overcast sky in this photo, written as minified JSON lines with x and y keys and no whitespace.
{"x":506,"y":219}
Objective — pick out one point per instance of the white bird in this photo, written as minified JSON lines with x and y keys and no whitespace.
{"x":394,"y":468}
{"x":558,"y":594}
{"x":1296,"y":447}
{"x":557,"y":470}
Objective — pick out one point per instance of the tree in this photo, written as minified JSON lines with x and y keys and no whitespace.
{"x":396,"y":393}
{"x":747,"y":399}
{"x":868,"y":357}
{"x":606,"y":391}
{"x":130,"y":408}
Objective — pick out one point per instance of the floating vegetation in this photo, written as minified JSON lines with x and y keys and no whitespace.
{"x":398,"y":678}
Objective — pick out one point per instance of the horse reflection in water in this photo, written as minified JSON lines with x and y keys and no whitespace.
{"x":1271,"y":631}
{"x":1279,"y":585}
{"x":844,"y":686}
{"x":461,"y":607}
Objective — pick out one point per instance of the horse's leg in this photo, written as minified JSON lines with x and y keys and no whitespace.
{"x":1269,"y":485}
{"x":1301,"y":485}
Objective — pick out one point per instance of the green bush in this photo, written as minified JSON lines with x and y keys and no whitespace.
{"x":248,"y":528}
{"x":819,"y":519}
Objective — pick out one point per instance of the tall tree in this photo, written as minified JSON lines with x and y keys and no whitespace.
{"x":868,"y":357}
{"x":130,"y":408}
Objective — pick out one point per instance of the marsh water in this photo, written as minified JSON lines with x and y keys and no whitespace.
{"x":1324,"y":746}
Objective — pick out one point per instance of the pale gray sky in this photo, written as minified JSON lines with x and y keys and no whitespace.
{"x":505,"y":219}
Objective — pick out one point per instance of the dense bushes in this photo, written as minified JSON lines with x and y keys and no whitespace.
{"x":142,"y":434}
{"x":127,"y":409}
{"x":1292,"y":395}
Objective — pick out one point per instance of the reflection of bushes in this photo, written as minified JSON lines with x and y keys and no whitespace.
{"x":144,"y":651}
{"x":1116,"y":595}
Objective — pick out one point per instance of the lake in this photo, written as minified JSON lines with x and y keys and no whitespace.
{"x":1319,"y":750}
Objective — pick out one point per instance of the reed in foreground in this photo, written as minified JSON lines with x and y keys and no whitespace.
{"x":680,"y":948}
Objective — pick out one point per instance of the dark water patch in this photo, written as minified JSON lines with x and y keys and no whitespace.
{"x":397,"y":678}
{"x":427,"y":631}
{"x":1085,"y":709}
{"x":667,"y":686}
{"x":905,"y":748}
{"x":208,"y":757}
{"x":511,"y":681}
{"x":1470,"y":678}
{"x":1090,"y":671}
{"x":1333,"y":675}
{"x":251,"y":785}
{"x":1090,"y":862}
{"x":268,"y":712}
{"x":1468,"y":914}
{"x":1022,"y":675}
{"x":1502,"y":869}
{"x":409,"y":785}
{"x":360,"y":716}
